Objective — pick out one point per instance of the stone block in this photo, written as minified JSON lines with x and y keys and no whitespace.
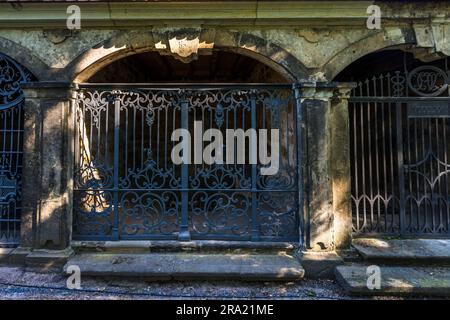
{"x":396,"y":280}
{"x":182,"y":266}
{"x":419,"y":251}
{"x":47,"y":260}
{"x":320,"y":265}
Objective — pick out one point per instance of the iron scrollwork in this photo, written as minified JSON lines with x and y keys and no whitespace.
{"x":125,"y":173}
{"x":12,"y":75}
{"x":428,"y":81}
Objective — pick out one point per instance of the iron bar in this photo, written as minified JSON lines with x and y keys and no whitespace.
{"x":184,"y":234}
{"x":299,"y":165}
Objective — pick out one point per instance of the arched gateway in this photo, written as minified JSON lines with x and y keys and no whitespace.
{"x":400,"y":145}
{"x":127,"y":184}
{"x":12,"y":75}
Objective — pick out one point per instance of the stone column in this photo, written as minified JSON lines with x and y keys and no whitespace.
{"x":318,"y":191}
{"x":48,"y":163}
{"x":340,"y":167}
{"x":327,"y":173}
{"x":327,"y":177}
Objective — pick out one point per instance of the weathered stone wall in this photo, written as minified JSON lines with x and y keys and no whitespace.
{"x":301,"y":53}
{"x":48,"y":166}
{"x":316,"y":52}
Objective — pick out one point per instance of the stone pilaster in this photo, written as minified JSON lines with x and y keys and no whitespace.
{"x":318,"y":192}
{"x":327,"y":173}
{"x":48,"y":163}
{"x":340,"y":167}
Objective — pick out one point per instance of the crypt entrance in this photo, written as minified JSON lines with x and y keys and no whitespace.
{"x":399,"y":116}
{"x":127,"y":185}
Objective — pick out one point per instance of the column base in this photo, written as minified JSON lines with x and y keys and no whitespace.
{"x":320,"y":265}
{"x":42,"y":260}
{"x":184,"y":236}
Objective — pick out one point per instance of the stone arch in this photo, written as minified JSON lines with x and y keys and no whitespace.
{"x":362,"y":47}
{"x":26,"y":58}
{"x":125,"y":44}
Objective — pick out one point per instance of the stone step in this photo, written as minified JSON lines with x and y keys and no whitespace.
{"x":182,"y":266}
{"x":158,"y":246}
{"x":401,"y":251}
{"x":5,"y":254}
{"x":396,"y":280}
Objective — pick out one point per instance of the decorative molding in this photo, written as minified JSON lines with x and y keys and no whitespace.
{"x":184,"y":44}
{"x":343,"y":91}
{"x":270,"y":13}
{"x":57,"y":36}
{"x":432,"y":41}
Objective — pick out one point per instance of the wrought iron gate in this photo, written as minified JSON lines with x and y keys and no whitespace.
{"x":400,"y":145}
{"x":128,"y":187}
{"x":11,"y":129}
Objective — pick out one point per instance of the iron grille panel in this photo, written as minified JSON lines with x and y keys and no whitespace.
{"x":399,"y":133}
{"x":11,"y":140}
{"x":127,"y":187}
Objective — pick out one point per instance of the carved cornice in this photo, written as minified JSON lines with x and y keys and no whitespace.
{"x":432,"y":40}
{"x":237,"y":13}
{"x":326,"y":91}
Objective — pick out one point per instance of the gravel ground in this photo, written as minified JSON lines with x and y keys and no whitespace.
{"x":16,"y":283}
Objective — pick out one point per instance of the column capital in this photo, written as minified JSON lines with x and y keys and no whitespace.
{"x":325,"y":91}
{"x":48,"y":90}
{"x":343,"y":90}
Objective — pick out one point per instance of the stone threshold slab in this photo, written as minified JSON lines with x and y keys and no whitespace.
{"x":5,"y":253}
{"x":41,"y":260}
{"x":396,"y":280}
{"x":404,"y":250}
{"x":147,"y":246}
{"x":181,"y":266}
